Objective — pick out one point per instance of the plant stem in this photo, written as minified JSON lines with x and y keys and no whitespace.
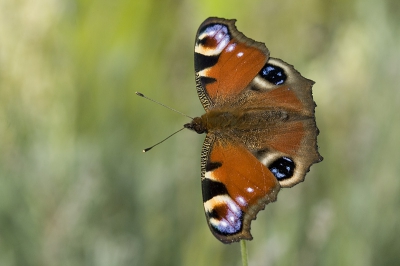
{"x":243,"y":249}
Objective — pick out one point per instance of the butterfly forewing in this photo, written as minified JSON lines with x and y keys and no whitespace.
{"x":225,"y":61}
{"x":236,"y":186}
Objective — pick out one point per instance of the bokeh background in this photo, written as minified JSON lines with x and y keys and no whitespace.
{"x":76,"y":189}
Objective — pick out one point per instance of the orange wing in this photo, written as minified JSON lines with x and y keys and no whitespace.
{"x":292,"y":134}
{"x":236,"y":186}
{"x":225,"y":61}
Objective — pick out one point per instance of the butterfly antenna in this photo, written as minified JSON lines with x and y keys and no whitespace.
{"x":147,"y":149}
{"x":172,"y":109}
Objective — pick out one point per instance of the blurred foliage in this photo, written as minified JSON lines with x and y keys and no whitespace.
{"x":75,"y":188}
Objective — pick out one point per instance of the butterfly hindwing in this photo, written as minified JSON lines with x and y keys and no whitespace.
{"x":286,"y":98}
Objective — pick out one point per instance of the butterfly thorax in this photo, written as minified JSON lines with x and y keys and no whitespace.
{"x":236,"y":119}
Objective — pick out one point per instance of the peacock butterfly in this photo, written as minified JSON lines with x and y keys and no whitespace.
{"x":260,"y":127}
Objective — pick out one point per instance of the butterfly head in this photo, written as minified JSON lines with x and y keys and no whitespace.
{"x":196,"y":125}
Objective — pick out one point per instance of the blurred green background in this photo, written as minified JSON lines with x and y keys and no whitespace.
{"x":76,"y":189}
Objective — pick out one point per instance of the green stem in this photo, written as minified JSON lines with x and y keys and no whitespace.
{"x":243,"y":249}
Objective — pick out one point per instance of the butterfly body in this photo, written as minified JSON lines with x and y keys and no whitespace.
{"x":236,"y":120}
{"x":259,"y":124}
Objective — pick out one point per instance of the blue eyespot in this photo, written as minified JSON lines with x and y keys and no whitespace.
{"x":282,"y":168}
{"x":273,"y":74}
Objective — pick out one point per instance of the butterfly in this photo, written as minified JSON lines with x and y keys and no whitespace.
{"x":260,"y":127}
